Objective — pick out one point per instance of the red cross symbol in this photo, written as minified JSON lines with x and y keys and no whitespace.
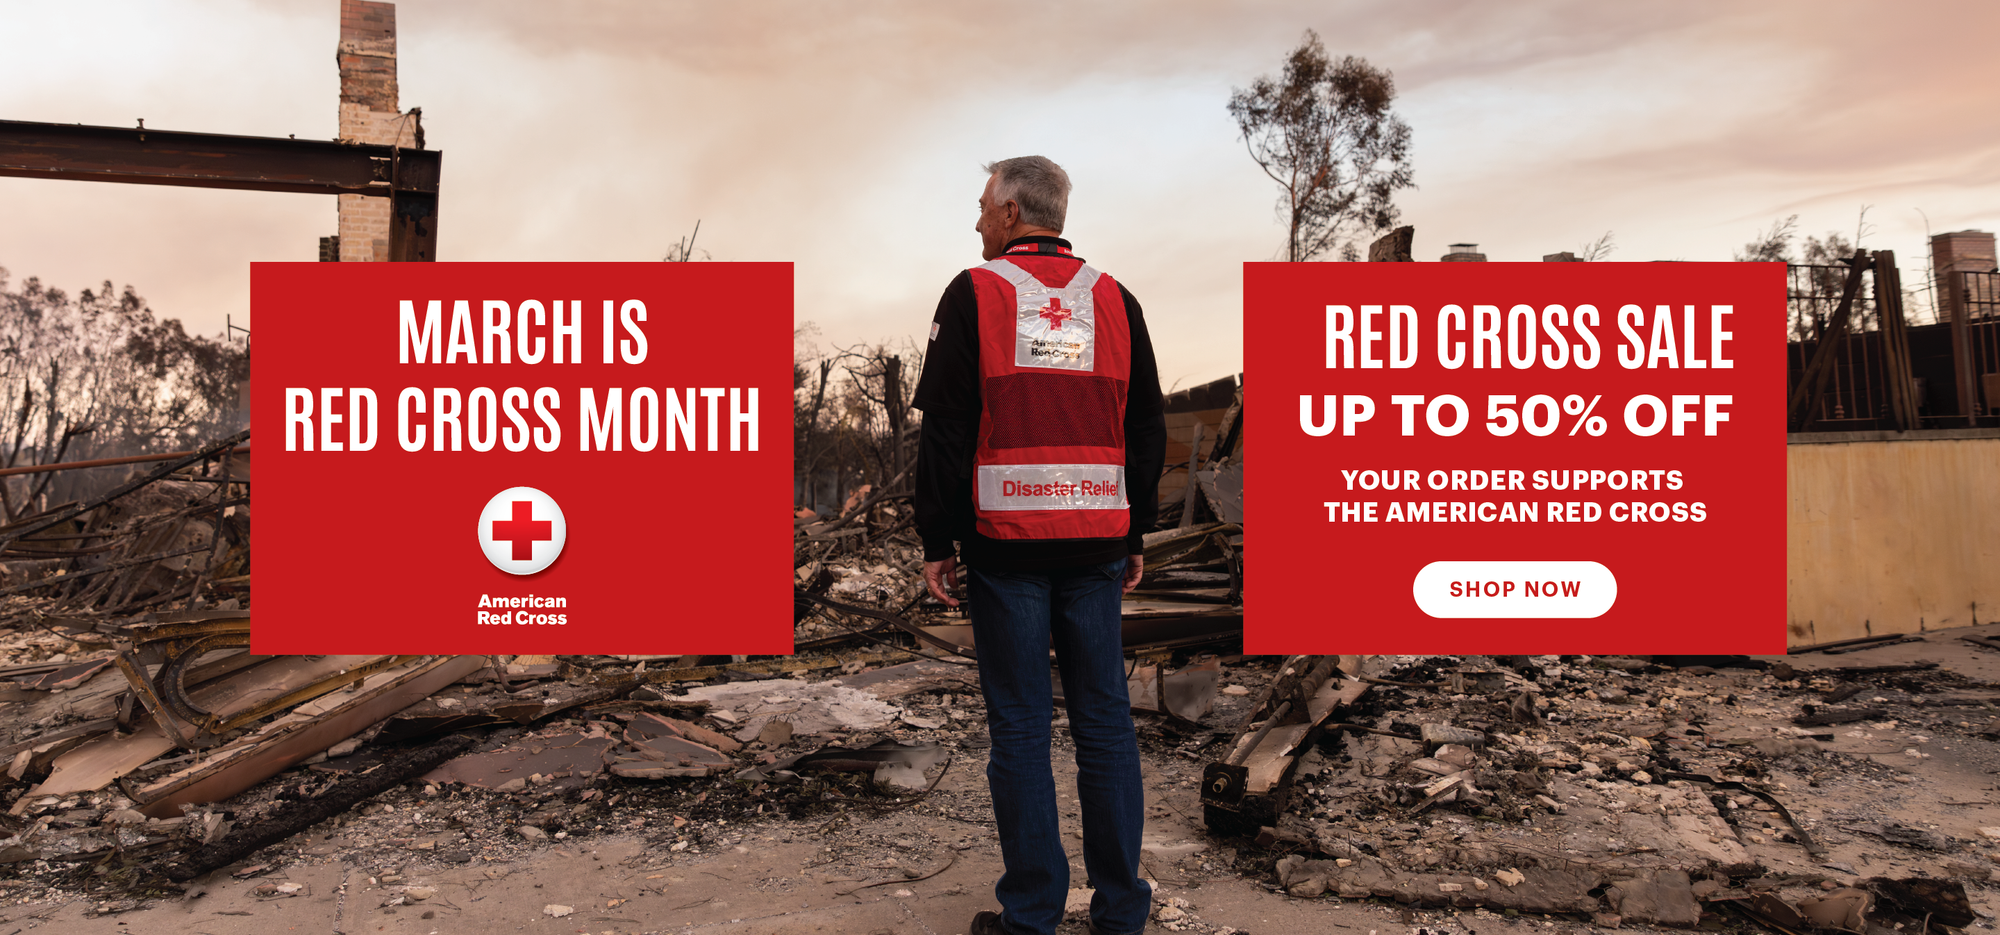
{"x":524,"y":530}
{"x":1056,"y":314}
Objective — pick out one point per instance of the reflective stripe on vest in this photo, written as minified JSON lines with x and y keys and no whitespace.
{"x":1051,"y":450}
{"x":1052,"y":487}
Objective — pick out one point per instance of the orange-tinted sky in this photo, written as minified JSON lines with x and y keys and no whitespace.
{"x":846,"y":136}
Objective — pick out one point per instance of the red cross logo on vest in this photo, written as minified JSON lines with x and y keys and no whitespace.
{"x":1056,"y":314}
{"x":522,"y":530}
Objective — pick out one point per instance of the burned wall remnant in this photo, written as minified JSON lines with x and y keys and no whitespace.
{"x":368,"y":114}
{"x":1966,"y":251}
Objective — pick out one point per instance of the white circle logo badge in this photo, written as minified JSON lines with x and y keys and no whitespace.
{"x":522,"y":530}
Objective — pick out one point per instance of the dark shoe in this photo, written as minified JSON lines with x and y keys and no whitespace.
{"x":986,"y":922}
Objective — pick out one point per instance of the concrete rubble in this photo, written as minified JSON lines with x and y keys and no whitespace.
{"x":1634,"y":793}
{"x":1666,"y":791}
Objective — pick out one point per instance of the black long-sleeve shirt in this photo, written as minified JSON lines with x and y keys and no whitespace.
{"x":948,"y":393}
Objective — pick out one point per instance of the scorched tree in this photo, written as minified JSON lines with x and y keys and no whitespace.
{"x":1324,"y":131}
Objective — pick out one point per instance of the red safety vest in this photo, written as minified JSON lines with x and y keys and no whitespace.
{"x":1055,"y":365}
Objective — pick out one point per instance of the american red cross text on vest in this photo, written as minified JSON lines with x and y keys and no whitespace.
{"x":1056,"y":314}
{"x":524,"y":530}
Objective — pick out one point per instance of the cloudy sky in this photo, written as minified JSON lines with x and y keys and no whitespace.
{"x":846,"y":136}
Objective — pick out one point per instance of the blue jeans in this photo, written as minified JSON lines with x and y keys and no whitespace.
{"x":1015,"y":618}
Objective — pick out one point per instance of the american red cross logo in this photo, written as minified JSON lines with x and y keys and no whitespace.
{"x":1056,"y":314}
{"x":524,"y":530}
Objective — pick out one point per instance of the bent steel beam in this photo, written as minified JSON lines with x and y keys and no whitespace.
{"x":409,"y":177}
{"x":212,"y":160}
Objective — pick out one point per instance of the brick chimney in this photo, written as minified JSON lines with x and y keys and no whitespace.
{"x":368,"y":114}
{"x":1958,"y":252}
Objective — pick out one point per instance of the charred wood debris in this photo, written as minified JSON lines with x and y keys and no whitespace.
{"x":146,"y":747}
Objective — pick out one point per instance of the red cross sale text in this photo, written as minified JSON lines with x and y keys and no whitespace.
{"x":474,"y":333}
{"x":1551,"y":338}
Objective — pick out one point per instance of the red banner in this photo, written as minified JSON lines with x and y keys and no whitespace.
{"x":522,"y":457}
{"x":1516,"y":457}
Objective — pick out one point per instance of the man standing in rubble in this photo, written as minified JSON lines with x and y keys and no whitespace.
{"x":1043,"y":440}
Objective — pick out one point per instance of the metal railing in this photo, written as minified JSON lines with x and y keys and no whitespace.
{"x":1854,"y":393}
{"x":1979,"y":296}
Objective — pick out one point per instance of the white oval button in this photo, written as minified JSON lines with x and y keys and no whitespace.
{"x":1515,"y":589}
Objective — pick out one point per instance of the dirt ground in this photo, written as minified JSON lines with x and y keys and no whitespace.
{"x":1910,"y":792}
{"x":759,"y":876}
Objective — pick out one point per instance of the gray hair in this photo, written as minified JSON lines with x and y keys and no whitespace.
{"x":1035,"y":183}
